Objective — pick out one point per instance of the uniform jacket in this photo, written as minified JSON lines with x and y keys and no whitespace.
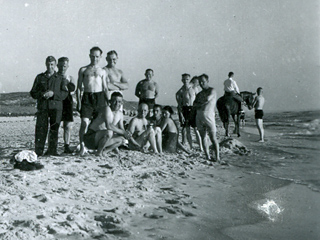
{"x":55,"y":83}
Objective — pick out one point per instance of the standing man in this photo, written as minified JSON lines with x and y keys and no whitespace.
{"x":92,"y":92}
{"x":117,"y":82}
{"x":205,"y":104}
{"x":50,"y":89}
{"x":258,"y":106}
{"x":147,"y":90}
{"x":231,"y":89}
{"x":67,"y":112}
{"x":185,"y":98}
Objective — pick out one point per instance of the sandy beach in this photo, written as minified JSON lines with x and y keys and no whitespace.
{"x":143,"y":196}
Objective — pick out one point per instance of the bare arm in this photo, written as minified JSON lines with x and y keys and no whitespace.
{"x":131,"y":129}
{"x":79,"y":88}
{"x":137,"y":92}
{"x":164,"y":124}
{"x":121,"y":85}
{"x":105,"y":79}
{"x":156,"y":91}
{"x":110,"y":126}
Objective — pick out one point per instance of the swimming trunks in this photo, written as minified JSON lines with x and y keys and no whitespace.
{"x":149,"y":101}
{"x":89,"y":139}
{"x":258,"y":114}
{"x":169,"y":142}
{"x":189,"y":114}
{"x":206,"y":121}
{"x":67,"y":112}
{"x":91,"y":102}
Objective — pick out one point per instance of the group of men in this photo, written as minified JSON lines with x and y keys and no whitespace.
{"x":100,"y":103}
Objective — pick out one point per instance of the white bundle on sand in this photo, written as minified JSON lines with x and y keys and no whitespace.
{"x":26,"y":160}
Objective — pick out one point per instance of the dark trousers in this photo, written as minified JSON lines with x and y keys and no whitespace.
{"x":47,"y":119}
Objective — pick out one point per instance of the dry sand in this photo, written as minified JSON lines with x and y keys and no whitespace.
{"x":143,"y":196}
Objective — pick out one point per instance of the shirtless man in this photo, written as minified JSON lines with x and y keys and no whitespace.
{"x":147,"y":90}
{"x":185,"y":98}
{"x":156,"y":119}
{"x":117,"y":81}
{"x":67,"y":112}
{"x":106,"y":131}
{"x":205,"y":104}
{"x":258,"y":106}
{"x":143,"y":133}
{"x":92,"y":92}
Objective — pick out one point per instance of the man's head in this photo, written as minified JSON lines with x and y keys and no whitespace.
{"x":51,"y":63}
{"x":259,"y":90}
{"x":116,"y":101}
{"x":112,"y":58}
{"x":167,"y":111}
{"x":95,"y":55}
{"x":185,"y":79}
{"x":149,"y":74}
{"x":203,"y":81}
{"x":143,"y":110}
{"x":157,"y":109}
{"x":63,"y":65}
{"x":195,"y":81}
{"x":231,"y":74}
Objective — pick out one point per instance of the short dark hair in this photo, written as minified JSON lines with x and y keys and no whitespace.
{"x":259,"y":89}
{"x":63,"y":59}
{"x":157,"y":106}
{"x":205,"y":76}
{"x":169,"y":109}
{"x":230,"y":74}
{"x":96,"y":49}
{"x":112,"y":52}
{"x":186,"y":75}
{"x":194,"y":78}
{"x":116,"y":94}
{"x":149,"y":69}
{"x":50,"y":59}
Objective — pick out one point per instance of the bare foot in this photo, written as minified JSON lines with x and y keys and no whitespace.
{"x":261,"y":140}
{"x":83,"y":151}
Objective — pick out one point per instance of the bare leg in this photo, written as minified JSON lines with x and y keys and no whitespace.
{"x":183,"y":134}
{"x":108,"y":144}
{"x":67,"y":126}
{"x":83,"y":129}
{"x":196,"y":132}
{"x":152,"y":140}
{"x":259,"y":123}
{"x":179,"y":145}
{"x":214,"y":140}
{"x":158,"y":136}
{"x":203,"y":135}
{"x":188,"y":130}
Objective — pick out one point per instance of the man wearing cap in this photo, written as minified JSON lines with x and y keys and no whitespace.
{"x":50,"y":89}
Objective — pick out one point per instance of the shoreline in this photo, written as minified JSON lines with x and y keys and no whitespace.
{"x":143,"y":196}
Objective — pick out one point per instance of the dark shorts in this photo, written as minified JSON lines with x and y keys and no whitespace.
{"x":89,"y":139}
{"x":189,"y":113}
{"x":149,"y":101}
{"x":258,"y":114}
{"x":67,"y":112}
{"x":169,"y":142}
{"x":91,"y":103}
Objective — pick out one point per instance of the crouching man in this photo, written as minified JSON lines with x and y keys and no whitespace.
{"x":106,"y":131}
{"x":143,"y":133}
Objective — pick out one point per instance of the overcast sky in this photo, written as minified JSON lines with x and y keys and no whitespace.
{"x":272,"y":44}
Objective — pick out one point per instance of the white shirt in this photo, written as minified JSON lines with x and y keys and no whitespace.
{"x":230,"y":85}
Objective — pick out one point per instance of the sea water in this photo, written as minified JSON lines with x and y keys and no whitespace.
{"x":291,"y":150}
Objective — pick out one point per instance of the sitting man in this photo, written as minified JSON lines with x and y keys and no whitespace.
{"x":156,"y":118}
{"x":143,"y":133}
{"x":231,"y":89}
{"x":106,"y":131}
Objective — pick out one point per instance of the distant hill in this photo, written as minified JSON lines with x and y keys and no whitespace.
{"x":22,"y":104}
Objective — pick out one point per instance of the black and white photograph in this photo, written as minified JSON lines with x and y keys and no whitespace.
{"x":160,"y":119}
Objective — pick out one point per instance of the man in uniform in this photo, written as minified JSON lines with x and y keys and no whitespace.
{"x":50,"y":89}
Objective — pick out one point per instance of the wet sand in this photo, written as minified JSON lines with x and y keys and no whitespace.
{"x":143,"y":196}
